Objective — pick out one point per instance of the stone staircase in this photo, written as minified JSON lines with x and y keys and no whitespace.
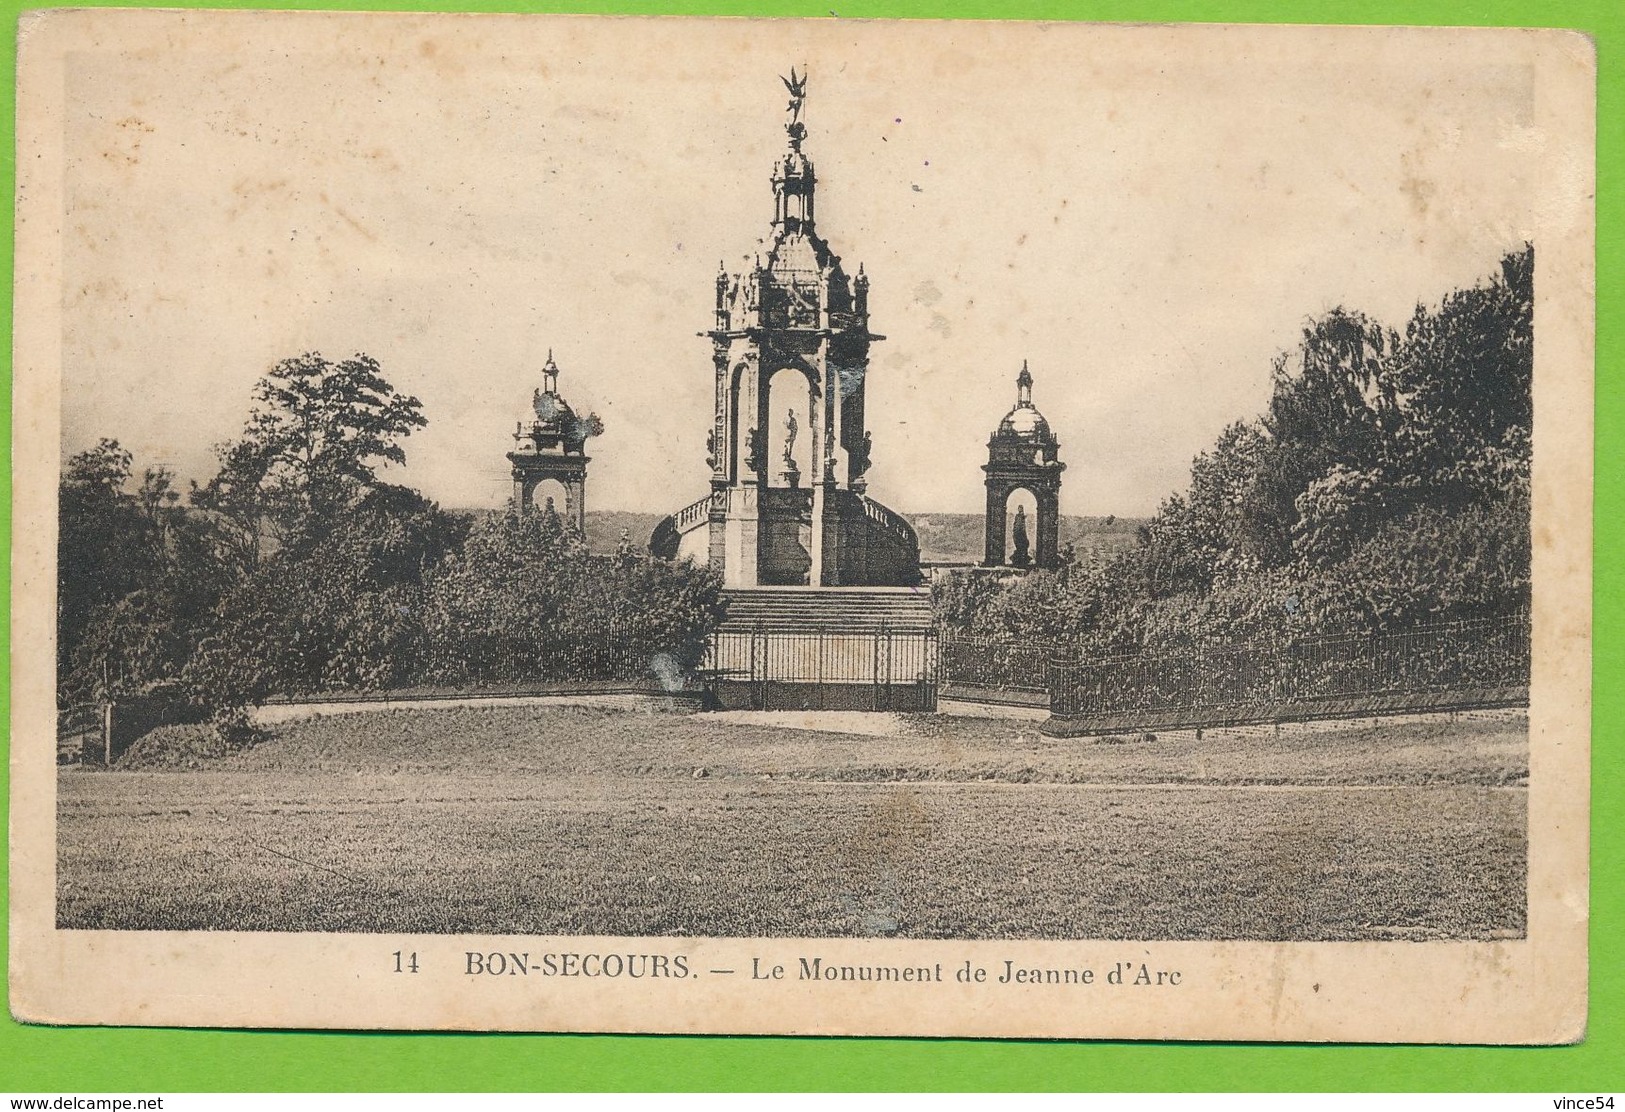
{"x":837,"y":609}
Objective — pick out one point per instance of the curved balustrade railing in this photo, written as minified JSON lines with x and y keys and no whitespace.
{"x":663,"y":542}
{"x":891,"y":523}
{"x":692,"y":515}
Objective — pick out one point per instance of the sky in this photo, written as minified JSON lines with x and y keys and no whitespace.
{"x":1145,"y":215}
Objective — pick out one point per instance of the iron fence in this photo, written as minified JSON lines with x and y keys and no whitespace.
{"x":769,"y":668}
{"x":588,"y":655}
{"x":997,"y":663}
{"x":1464,"y":656}
{"x":593,"y":656}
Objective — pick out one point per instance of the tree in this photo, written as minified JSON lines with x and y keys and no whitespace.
{"x":136,"y":576}
{"x":1335,"y":404}
{"x":107,"y":546}
{"x":310,"y":448}
{"x":337,"y":608}
{"x":1467,"y":370}
{"x":332,"y":601}
{"x":525,"y":600}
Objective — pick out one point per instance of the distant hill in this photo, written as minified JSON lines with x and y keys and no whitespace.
{"x":604,"y":529}
{"x":944,"y":538}
{"x":957,"y":538}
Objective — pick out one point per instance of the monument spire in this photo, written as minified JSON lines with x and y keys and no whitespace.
{"x":793,"y":179}
{"x":550,"y":375}
{"x":790,"y":360}
{"x":796,"y":84}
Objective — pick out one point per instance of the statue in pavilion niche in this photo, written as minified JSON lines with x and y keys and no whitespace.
{"x":1019,"y":555}
{"x":1024,"y":454}
{"x":791,"y":473}
{"x":790,"y":429}
{"x":756,"y":451}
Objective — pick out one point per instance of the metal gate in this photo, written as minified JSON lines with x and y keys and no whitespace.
{"x":782,"y":669}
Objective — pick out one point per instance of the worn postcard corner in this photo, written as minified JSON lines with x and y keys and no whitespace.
{"x":721,"y":526}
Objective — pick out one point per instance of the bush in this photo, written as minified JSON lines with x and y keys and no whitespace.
{"x":185,"y":747}
{"x":524,"y":600}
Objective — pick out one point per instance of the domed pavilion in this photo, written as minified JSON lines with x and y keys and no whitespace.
{"x":550,"y":442}
{"x":1023,"y":454}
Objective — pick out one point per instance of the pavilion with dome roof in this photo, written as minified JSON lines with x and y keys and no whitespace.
{"x":1023,"y":454}
{"x":550,"y":442}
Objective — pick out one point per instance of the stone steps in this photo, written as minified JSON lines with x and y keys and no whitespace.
{"x":839,"y":609}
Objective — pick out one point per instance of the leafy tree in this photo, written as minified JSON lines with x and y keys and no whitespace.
{"x":1054,"y":606}
{"x":136,"y":576}
{"x":310,"y":448}
{"x":329,"y":562}
{"x":1336,"y":511}
{"x":1467,"y":370}
{"x":1334,"y":404}
{"x":105,"y":547}
{"x":524,"y":600}
{"x":1438,"y":564}
{"x":338,"y":607}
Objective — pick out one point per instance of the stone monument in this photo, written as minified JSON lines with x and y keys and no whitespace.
{"x":797,"y":310}
{"x":1023,"y":454}
{"x":550,"y":442}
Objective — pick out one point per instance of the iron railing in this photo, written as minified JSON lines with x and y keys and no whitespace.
{"x":997,"y":663}
{"x":777,"y":667}
{"x":1466,"y":656}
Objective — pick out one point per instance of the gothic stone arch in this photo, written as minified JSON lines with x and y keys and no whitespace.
{"x":1045,"y":487}
{"x":569,"y":471}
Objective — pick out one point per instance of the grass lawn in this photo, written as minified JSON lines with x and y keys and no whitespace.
{"x":578,"y":821}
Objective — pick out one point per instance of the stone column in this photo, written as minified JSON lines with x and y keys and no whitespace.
{"x":576,"y":495}
{"x":723,"y":457}
{"x":1049,"y":528}
{"x":993,"y":550}
{"x":816,"y":397}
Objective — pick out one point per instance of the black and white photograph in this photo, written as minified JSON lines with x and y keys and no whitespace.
{"x":768,"y":526}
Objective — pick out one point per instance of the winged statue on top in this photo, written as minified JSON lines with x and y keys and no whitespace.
{"x":797,"y":86}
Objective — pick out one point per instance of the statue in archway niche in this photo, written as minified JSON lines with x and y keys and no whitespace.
{"x":756,"y":451}
{"x":860,"y":456}
{"x":790,"y":428}
{"x":1018,"y":535}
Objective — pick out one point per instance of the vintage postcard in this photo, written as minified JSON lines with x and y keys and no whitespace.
{"x":912,"y":528}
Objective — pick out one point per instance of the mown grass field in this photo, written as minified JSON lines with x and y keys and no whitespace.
{"x":528,"y":820}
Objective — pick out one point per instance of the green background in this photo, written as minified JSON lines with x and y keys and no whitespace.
{"x":35,"y":1059}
